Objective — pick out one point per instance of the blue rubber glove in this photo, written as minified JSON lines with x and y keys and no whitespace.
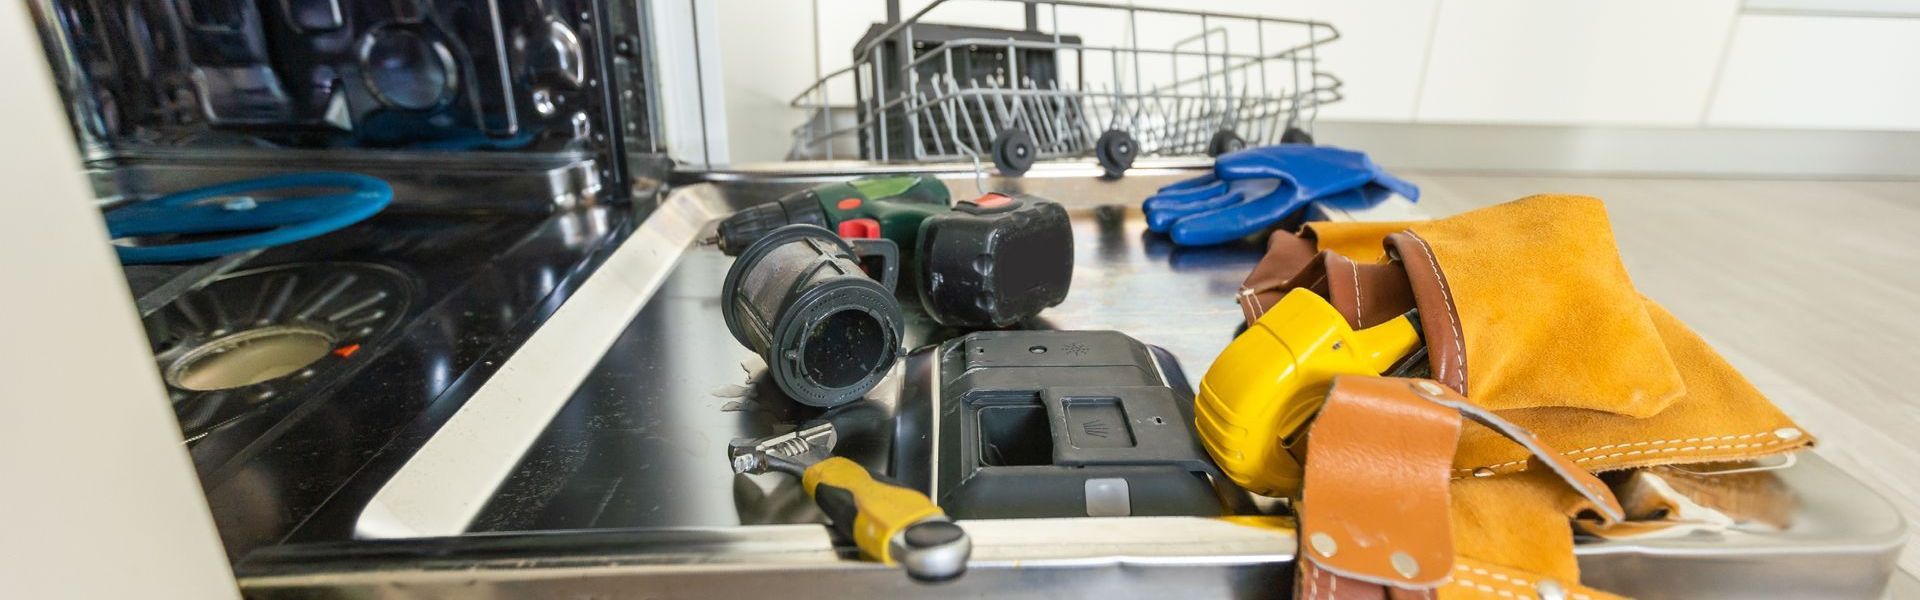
{"x":1252,"y":189}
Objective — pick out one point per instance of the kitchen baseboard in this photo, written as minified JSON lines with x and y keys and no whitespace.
{"x":1670,"y":151}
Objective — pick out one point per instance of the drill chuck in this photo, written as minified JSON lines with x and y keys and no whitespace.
{"x":755,"y":222}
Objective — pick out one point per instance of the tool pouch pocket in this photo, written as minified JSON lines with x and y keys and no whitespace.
{"x":1525,"y":308}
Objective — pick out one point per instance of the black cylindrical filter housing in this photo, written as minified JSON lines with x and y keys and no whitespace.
{"x":799,"y":298}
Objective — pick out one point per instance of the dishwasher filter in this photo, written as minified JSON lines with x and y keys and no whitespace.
{"x":1025,"y":424}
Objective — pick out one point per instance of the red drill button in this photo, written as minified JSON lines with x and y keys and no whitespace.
{"x":848,"y":204}
{"x":859,"y":228}
{"x":992,"y":201}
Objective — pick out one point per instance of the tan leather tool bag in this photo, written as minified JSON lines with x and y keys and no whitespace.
{"x":1528,"y":315}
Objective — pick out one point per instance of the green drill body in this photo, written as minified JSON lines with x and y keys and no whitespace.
{"x":894,"y":206}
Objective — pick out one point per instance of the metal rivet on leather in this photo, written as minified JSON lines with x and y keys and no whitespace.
{"x":1786,"y":433}
{"x":1404,"y":564}
{"x":1551,"y":590}
{"x":1323,"y":544}
{"x":1483,"y":472}
{"x":1431,"y":388}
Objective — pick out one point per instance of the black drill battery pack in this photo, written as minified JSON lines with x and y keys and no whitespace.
{"x":995,"y":260}
{"x":1028,"y":424}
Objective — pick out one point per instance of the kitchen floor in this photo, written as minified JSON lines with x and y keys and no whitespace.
{"x":1809,"y":287}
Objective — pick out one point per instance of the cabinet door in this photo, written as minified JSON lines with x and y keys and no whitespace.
{"x":1818,"y":71}
{"x":1379,"y":56}
{"x":1625,"y":62}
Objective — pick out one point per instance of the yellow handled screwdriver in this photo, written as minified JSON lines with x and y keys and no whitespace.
{"x":890,"y":523}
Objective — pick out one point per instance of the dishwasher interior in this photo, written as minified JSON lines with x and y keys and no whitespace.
{"x":517,"y":380}
{"x":498,"y":130}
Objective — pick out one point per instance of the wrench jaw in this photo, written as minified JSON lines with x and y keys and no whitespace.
{"x":754,"y":462}
{"x":789,"y":453}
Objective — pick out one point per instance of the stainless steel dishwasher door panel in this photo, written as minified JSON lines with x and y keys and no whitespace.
{"x":620,"y":481}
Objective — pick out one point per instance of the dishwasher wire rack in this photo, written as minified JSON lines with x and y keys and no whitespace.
{"x":931,"y":92}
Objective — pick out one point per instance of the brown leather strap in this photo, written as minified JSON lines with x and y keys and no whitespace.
{"x":1366,"y":294}
{"x":1268,"y":283}
{"x":1317,"y":583}
{"x":1285,"y":266}
{"x":1374,"y":501}
{"x":1439,"y":319}
{"x":1374,"y":506}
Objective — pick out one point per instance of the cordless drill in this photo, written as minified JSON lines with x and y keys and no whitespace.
{"x":886,"y":207}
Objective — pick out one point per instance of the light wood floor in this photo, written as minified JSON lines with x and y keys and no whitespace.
{"x":1810,"y":288}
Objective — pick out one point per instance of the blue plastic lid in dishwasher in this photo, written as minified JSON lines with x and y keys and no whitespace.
{"x":285,"y":220}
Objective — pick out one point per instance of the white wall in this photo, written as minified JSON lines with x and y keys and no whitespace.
{"x":1693,"y":64}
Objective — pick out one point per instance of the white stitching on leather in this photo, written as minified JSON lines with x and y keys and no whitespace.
{"x":1459,"y":343}
{"x":1652,"y":442}
{"x":1505,"y":579}
{"x":1251,"y":299}
{"x":1507,"y":593}
{"x":1333,"y":584}
{"x":1729,"y":437}
{"x":1485,"y":588}
{"x":1680,"y":449}
{"x":1496,"y":576}
{"x":1359,"y":299}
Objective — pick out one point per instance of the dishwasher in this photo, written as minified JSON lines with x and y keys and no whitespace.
{"x":543,"y":391}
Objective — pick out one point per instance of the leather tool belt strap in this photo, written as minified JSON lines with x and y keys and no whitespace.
{"x":1375,"y":512}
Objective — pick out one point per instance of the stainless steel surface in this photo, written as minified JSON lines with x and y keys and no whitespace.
{"x":1147,"y":557}
{"x":156,"y":285}
{"x":658,"y":376}
{"x":206,"y":341}
{"x":1842,"y":542}
{"x":419,"y":307}
{"x":1842,"y":547}
{"x":638,"y":455}
{"x":456,"y":182}
{"x":449,"y":479}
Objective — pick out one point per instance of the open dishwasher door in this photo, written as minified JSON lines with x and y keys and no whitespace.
{"x":595,"y":460}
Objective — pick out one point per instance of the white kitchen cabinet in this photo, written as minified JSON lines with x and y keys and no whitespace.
{"x":1380,"y":54}
{"x":1820,"y":72}
{"x":1626,"y":62}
